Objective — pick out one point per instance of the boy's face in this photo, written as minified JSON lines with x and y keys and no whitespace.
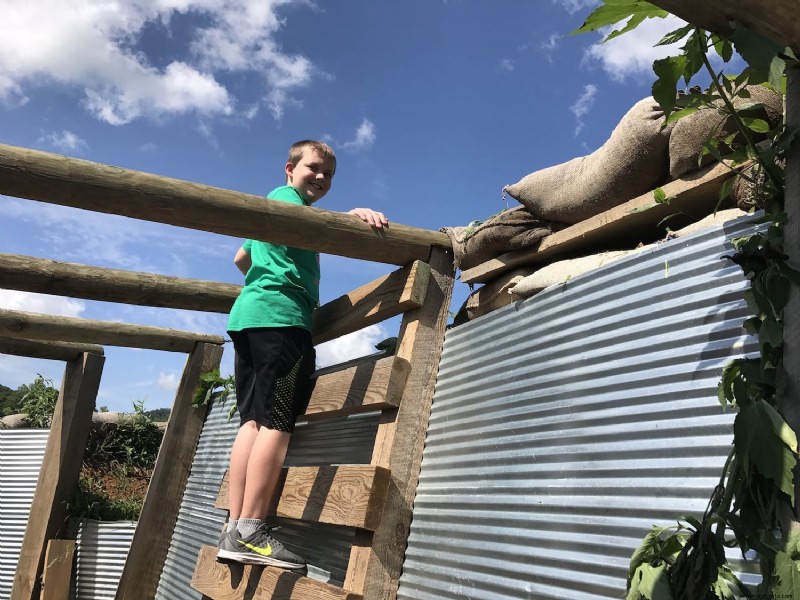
{"x":312,"y":175}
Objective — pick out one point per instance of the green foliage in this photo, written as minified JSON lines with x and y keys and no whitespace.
{"x":159,"y":415}
{"x":93,"y":500}
{"x":215,"y":388}
{"x":688,"y":562}
{"x":133,"y":442}
{"x":9,"y":401}
{"x":38,"y":402}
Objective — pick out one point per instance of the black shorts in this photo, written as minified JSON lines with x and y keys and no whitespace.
{"x":273,"y":368}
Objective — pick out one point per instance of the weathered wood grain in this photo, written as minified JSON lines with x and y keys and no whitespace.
{"x":46,"y":350}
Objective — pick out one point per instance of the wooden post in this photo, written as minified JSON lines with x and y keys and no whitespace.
{"x":67,"y":181}
{"x":58,"y":569}
{"x":43,"y":276}
{"x":63,"y":351}
{"x":376,"y":559}
{"x":165,"y":492}
{"x":60,"y":469}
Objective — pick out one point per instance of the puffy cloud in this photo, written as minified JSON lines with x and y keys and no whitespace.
{"x":168,"y":381}
{"x":65,"y":141}
{"x":41,"y":303}
{"x":631,"y":55}
{"x":350,"y":346}
{"x":95,"y":47}
{"x":573,"y":6}
{"x":365,"y":137}
{"x":583,"y":105}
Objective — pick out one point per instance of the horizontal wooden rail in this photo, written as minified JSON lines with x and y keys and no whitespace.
{"x":386,"y":297}
{"x":30,"y":274}
{"x":57,"y":179}
{"x":348,"y":495}
{"x":18,"y":324}
{"x":240,"y":582}
{"x":46,"y":350}
{"x":776,"y":19}
{"x":369,"y":385}
{"x":695,"y":195}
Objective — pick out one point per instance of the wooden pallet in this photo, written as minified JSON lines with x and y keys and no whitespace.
{"x":374,"y":499}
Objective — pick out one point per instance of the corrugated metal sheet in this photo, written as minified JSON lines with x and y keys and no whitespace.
{"x":565,"y":426}
{"x":100,"y":557}
{"x":327,"y":549}
{"x":21,"y":453}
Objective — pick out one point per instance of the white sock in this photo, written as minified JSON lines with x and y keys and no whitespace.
{"x":248,"y":527}
{"x":231,"y":525}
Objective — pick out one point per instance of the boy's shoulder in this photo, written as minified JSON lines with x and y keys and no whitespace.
{"x":285,"y":193}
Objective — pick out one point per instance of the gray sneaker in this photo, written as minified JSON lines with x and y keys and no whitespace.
{"x":261,"y":548}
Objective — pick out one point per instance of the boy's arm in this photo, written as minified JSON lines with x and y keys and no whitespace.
{"x":242,"y":261}
{"x":370,"y":217}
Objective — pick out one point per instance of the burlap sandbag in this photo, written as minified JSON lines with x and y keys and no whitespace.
{"x":483,"y":240}
{"x":691,"y":132}
{"x":633,"y":161}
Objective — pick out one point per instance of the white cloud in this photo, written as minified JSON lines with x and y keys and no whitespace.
{"x":573,"y":6}
{"x":65,"y":141}
{"x":632,"y":54}
{"x":353,"y":345}
{"x":168,"y":381}
{"x":365,"y":137}
{"x":583,"y":105}
{"x":41,"y":303}
{"x":92,"y":46}
{"x":552,"y":41}
{"x":507,"y":64}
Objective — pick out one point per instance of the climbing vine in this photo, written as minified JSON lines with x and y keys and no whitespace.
{"x":756,"y":487}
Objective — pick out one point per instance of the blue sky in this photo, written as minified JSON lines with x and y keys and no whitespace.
{"x":432,"y":107}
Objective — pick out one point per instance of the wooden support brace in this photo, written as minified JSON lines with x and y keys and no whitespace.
{"x":164,"y":494}
{"x":239,"y":582}
{"x":372,"y":303}
{"x":58,"y":569}
{"x":60,"y":469}
{"x":48,"y":350}
{"x":18,"y":324}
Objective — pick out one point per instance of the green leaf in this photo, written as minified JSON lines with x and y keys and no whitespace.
{"x":757,"y":125}
{"x":723,"y":47}
{"x":650,"y":583}
{"x":669,"y":71}
{"x":674,"y":116}
{"x":762,"y":54}
{"x":675,"y":36}
{"x":756,"y":439}
{"x":614,"y":11}
{"x":787,"y":571}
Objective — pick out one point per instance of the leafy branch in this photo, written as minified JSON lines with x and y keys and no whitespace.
{"x":688,"y":561}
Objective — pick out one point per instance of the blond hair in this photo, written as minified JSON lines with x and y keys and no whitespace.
{"x":297,"y":149}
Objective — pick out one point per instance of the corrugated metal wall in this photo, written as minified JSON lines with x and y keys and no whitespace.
{"x":566,"y":425}
{"x":21,"y":452}
{"x":100,"y":558}
{"x":326,"y":548}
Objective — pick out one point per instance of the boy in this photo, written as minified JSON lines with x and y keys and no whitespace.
{"x":270,"y":325}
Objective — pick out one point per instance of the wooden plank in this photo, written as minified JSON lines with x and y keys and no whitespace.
{"x":239,"y":582}
{"x":777,"y":19}
{"x":347,"y":495}
{"x":47,"y":177}
{"x":46,"y":350}
{"x":19,"y":324}
{"x":695,"y":194}
{"x":376,"y":559}
{"x":369,"y":385}
{"x":386,"y":297}
{"x":61,"y":465}
{"x":40,"y":275}
{"x":57,"y":569}
{"x":164,"y":494}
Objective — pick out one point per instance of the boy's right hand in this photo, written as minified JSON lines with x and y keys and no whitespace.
{"x":371,"y":217}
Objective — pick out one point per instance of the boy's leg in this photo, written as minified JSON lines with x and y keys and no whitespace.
{"x":263,"y":471}
{"x":237,"y":472}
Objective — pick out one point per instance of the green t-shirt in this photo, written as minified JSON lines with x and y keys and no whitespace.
{"x":281,"y":288}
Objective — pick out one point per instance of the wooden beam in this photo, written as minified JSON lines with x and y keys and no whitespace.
{"x":695,"y":194}
{"x":778,"y":20}
{"x":164,"y":494}
{"x":367,"y":386}
{"x":239,"y":582}
{"x":376,"y":559}
{"x":57,"y":179}
{"x":347,"y":495}
{"x":61,"y":465}
{"x":46,"y":350}
{"x":58,"y":569}
{"x":43,"y":276}
{"x":18,"y":324}
{"x":386,"y":297}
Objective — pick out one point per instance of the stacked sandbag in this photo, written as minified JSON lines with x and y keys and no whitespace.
{"x":633,"y":161}
{"x":691,"y":132}
{"x":509,"y":230}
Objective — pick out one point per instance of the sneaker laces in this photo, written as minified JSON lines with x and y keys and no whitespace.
{"x":265,"y":537}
